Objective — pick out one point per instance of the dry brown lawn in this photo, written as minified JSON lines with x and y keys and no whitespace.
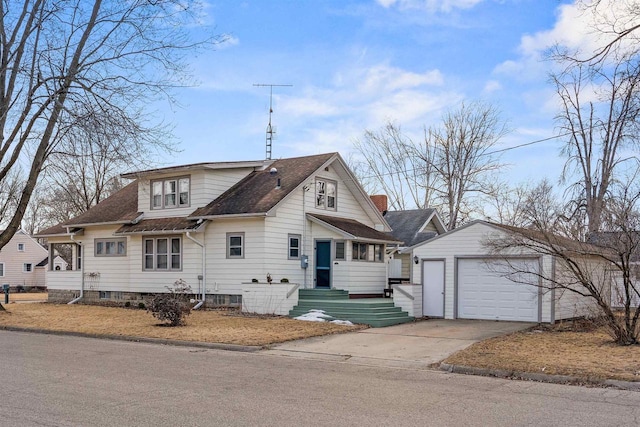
{"x":35,"y":296}
{"x":202,"y":326}
{"x":588,"y":354}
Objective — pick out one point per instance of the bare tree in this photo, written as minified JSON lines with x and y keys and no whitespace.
{"x":64,"y":61}
{"x":584,"y":268}
{"x":460,"y":154}
{"x":390,"y":165}
{"x":600,"y":108}
{"x":522,"y":205}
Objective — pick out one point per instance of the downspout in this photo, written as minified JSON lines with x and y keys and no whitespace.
{"x":204,"y":268}
{"x":305,"y":188}
{"x":82,"y":255}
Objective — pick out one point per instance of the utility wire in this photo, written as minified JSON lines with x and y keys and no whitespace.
{"x":538,"y":141}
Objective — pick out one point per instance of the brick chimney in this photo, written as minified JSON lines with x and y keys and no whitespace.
{"x":380,"y":201}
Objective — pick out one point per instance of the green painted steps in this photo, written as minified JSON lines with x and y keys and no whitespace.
{"x":375,"y":312}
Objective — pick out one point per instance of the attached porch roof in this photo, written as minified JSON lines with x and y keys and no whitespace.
{"x":352,"y":229}
{"x":160,"y":226}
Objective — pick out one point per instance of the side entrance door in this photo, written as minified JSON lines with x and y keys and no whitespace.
{"x":433,"y":288}
{"x":323,"y":264}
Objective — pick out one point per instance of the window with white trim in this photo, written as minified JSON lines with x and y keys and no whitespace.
{"x":1,"y":269}
{"x":360,"y":251}
{"x":27,"y":267}
{"x":326,"y":193}
{"x":294,"y":246}
{"x":20,"y":247}
{"x":340,"y":250}
{"x":162,"y":253}
{"x":170,"y":193}
{"x":235,"y":245}
{"x":110,"y":247}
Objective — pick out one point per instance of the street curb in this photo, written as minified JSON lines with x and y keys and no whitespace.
{"x":162,"y":341}
{"x":546,"y":378}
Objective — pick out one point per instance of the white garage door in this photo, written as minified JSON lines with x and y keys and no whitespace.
{"x":484,"y":294}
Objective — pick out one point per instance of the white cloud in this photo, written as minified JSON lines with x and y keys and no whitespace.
{"x":574,"y":29}
{"x":430,"y":5}
{"x":491,"y":86}
{"x":385,"y":78}
{"x":330,"y":118}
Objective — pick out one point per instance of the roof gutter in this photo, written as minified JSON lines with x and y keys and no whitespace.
{"x":204,"y":268}
{"x":244,"y":215}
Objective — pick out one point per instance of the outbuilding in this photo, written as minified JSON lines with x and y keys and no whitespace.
{"x":459,"y":278}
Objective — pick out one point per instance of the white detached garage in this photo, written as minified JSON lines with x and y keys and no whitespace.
{"x":461,"y":279}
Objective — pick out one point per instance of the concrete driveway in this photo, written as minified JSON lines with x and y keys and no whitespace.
{"x":413,"y":345}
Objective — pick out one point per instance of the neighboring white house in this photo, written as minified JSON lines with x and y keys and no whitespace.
{"x":20,"y":262}
{"x":458,"y":277}
{"x":222,"y":226}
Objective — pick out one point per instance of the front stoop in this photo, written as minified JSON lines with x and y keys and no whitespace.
{"x":375,"y":312}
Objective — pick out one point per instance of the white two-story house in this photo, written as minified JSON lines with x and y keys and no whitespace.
{"x":223,"y":228}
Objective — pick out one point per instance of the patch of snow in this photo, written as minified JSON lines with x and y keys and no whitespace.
{"x":321,"y":316}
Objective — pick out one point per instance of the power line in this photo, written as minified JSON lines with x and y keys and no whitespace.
{"x":526,"y":144}
{"x":538,"y":141}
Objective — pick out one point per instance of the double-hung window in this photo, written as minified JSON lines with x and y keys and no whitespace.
{"x":162,"y":253}
{"x":1,"y":269}
{"x":110,"y":247}
{"x":170,"y":193}
{"x":378,"y":253}
{"x":360,"y":251}
{"x":340,"y":250}
{"x":326,"y":194}
{"x":27,"y":267}
{"x":294,"y":246}
{"x":235,"y":245}
{"x":20,"y":247}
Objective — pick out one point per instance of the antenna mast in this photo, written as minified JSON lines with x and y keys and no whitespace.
{"x":270,"y":130}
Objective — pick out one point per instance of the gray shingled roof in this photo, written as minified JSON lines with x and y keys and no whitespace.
{"x":407,"y":224}
{"x":619,"y":242}
{"x":121,"y":206}
{"x":355,"y":228}
{"x":258,"y":192}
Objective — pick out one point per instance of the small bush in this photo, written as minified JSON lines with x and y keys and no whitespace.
{"x":174,"y":306}
{"x":127,"y":304}
{"x":141,"y":306}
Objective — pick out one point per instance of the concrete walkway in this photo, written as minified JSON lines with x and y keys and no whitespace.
{"x":415,"y":345}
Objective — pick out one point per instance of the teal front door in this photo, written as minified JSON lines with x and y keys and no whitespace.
{"x":323,"y":264}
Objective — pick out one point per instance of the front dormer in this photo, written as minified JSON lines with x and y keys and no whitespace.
{"x":177,"y":191}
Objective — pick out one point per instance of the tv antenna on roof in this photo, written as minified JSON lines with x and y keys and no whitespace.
{"x":270,"y":131}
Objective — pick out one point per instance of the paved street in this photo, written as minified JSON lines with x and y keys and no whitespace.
{"x":67,"y":381}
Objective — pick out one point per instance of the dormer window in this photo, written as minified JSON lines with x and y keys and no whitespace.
{"x":170,"y":193}
{"x":326,"y":194}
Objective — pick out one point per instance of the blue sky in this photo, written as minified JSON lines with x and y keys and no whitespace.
{"x":354,"y":65}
